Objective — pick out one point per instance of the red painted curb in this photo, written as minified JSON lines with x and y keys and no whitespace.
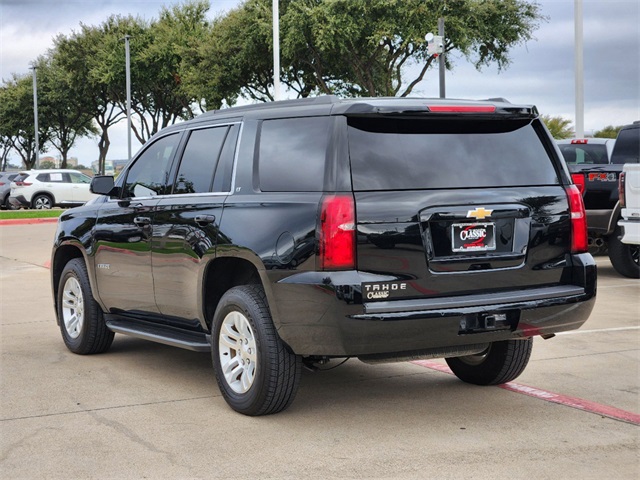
{"x":27,"y":221}
{"x":573,"y":402}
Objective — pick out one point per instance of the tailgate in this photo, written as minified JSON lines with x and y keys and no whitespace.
{"x":461,"y":242}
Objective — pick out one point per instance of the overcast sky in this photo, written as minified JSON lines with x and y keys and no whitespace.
{"x":541,"y":72}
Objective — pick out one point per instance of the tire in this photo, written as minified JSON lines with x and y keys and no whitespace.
{"x":42,"y":202}
{"x":81,"y":320}
{"x":624,"y":257}
{"x":6,"y":204}
{"x":255,"y":371}
{"x":502,"y":362}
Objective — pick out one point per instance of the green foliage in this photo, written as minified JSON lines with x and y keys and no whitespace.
{"x":16,"y":119}
{"x":61,"y":103}
{"x":608,"y":132}
{"x":359,"y":47}
{"x":47,"y":164}
{"x":559,"y":127}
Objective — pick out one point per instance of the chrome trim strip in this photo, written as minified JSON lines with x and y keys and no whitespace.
{"x":397,"y":306}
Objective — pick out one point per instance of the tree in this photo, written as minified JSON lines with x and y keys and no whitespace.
{"x":48,"y":164}
{"x":362,"y":47}
{"x":559,"y":127}
{"x":95,"y":58}
{"x":160,"y":54}
{"x":608,"y":132}
{"x":61,"y":103}
{"x":16,"y":119}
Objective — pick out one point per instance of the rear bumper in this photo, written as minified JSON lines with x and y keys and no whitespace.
{"x":319,"y":313}
{"x":19,"y":201}
{"x":631,"y":231}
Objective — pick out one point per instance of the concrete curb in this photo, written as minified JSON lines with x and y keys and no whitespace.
{"x":27,"y":221}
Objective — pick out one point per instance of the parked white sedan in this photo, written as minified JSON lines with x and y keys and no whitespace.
{"x":44,"y":189}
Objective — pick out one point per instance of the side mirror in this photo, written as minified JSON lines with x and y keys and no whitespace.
{"x":102,"y":184}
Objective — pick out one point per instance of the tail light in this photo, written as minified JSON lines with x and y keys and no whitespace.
{"x":621,"y":196}
{"x":337,"y":233}
{"x":462,"y":108}
{"x":578,"y":220}
{"x":579,"y":181}
{"x":23,"y":184}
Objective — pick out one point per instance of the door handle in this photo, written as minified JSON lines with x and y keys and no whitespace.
{"x":142,"y":221}
{"x":204,"y":220}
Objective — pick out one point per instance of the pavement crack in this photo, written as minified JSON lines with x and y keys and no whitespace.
{"x":90,"y":410}
{"x":586,"y":355}
{"x":131,"y":435}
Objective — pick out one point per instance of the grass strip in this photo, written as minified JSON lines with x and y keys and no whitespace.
{"x":19,"y":214}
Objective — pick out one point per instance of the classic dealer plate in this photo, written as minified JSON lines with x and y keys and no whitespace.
{"x":473,"y":237}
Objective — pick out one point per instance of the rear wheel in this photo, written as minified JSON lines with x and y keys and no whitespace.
{"x":81,"y":321}
{"x":6,"y":204}
{"x":255,"y":371}
{"x":42,"y":202}
{"x":500,"y":363}
{"x":624,"y":257}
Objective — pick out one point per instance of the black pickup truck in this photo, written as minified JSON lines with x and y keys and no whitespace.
{"x":595,"y":165}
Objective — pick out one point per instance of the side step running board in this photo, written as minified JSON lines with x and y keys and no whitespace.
{"x":164,"y":334}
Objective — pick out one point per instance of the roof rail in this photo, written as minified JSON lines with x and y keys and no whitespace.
{"x":497,"y":99}
{"x":321,"y":100}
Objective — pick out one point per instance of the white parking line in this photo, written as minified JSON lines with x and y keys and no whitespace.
{"x":600,"y":330}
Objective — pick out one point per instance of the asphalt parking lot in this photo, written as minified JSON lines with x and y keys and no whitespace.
{"x":146,"y":410}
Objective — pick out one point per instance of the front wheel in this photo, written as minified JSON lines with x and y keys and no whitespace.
{"x":255,"y":371}
{"x":81,"y":321}
{"x":500,"y":363}
{"x":624,"y":257}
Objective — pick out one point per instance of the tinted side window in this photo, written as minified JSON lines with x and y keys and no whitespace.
{"x":43,"y":177}
{"x":222,"y":180}
{"x":292,"y":154}
{"x":199,"y":160}
{"x":147,"y":177}
{"x":399,"y":154}
{"x":627,"y":147}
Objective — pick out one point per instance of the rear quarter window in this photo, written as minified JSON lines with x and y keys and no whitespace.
{"x":292,"y":154}
{"x":627,"y":147}
{"x":410,"y":154}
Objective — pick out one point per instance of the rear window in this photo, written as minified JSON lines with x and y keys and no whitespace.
{"x":409,"y":154}
{"x":627,"y":147}
{"x":584,"y":153}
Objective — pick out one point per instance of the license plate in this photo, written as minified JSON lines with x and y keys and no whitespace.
{"x":473,"y":237}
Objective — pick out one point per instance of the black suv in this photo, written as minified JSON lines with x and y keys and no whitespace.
{"x":296,"y":232}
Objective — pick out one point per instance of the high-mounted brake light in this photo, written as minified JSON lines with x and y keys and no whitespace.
{"x":579,"y":238}
{"x":337,"y":233}
{"x":579,"y":141}
{"x":621,"y":188}
{"x":579,"y":181}
{"x":462,"y":108}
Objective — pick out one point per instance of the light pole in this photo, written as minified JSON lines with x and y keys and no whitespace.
{"x":276,"y":51}
{"x":435,"y":46}
{"x":35,"y":115}
{"x":128,"y":75}
{"x":441,"y":58}
{"x":579,"y":69}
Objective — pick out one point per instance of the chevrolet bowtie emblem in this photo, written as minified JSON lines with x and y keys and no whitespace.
{"x":479,"y":213}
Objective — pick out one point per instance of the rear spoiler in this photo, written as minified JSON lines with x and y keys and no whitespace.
{"x":444,"y":109}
